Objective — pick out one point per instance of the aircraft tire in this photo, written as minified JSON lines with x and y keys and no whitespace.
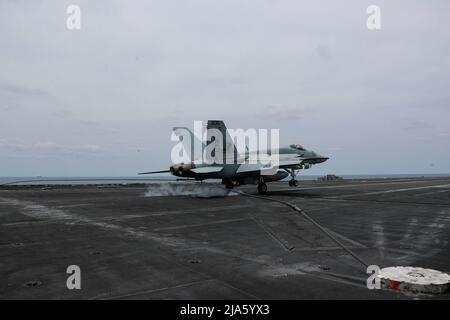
{"x":262,"y":188}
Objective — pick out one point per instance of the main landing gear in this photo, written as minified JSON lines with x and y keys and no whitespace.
{"x":229,"y":184}
{"x":293,"y":173}
{"x":262,"y":187}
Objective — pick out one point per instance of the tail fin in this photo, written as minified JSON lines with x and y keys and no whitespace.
{"x":193,"y":146}
{"x":229,"y":149}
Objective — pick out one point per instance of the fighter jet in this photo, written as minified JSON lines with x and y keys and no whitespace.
{"x":238,"y":171}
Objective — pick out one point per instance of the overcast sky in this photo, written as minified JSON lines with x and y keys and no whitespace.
{"x":102,"y":100}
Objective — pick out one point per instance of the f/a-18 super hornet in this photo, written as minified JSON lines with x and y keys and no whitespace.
{"x":236,"y":168}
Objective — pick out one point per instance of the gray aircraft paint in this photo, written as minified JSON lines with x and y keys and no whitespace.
{"x":291,"y":159}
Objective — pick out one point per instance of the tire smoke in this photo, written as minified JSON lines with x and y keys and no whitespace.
{"x":196,"y":190}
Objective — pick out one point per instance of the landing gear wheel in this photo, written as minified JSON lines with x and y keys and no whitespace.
{"x":293,"y":183}
{"x":262,"y":188}
{"x":293,"y":173}
{"x":228,"y":183}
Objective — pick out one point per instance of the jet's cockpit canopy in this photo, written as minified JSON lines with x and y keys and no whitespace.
{"x":298,"y":147}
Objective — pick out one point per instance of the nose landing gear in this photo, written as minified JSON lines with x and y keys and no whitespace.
{"x":293,"y":183}
{"x":293,"y":173}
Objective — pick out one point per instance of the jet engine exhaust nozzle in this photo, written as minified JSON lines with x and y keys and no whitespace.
{"x":181,"y":168}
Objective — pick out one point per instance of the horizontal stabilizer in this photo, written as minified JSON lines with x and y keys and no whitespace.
{"x":154,"y":172}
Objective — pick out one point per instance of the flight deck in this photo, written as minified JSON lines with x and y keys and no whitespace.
{"x":135,"y":242}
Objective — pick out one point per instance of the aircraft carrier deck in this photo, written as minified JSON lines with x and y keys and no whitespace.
{"x":132,"y":246}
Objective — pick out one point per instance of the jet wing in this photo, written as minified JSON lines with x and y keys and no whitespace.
{"x":282,"y":164}
{"x":265,"y":169}
{"x":210,"y":169}
{"x":297,"y":163}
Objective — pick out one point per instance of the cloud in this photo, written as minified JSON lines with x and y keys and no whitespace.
{"x":20,"y":90}
{"x":418,"y":125}
{"x":335,"y":149}
{"x":8,"y":106}
{"x":11,"y":144}
{"x":85,"y":122}
{"x":14,"y":146}
{"x":283,"y":113}
{"x":324,"y":52}
{"x":135,"y":69}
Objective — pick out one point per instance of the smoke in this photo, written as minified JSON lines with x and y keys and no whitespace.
{"x":198,"y":190}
